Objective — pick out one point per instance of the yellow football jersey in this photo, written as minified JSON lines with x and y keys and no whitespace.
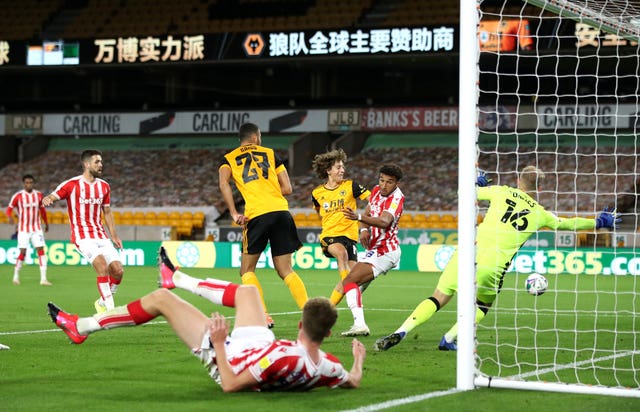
{"x":254,"y":170}
{"x":330,"y":203}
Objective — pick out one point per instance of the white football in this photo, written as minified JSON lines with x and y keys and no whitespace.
{"x":536,"y":284}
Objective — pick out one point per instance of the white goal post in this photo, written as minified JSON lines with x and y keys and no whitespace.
{"x":554,"y":84}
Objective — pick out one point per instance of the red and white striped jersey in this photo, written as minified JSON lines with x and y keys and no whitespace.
{"x":285,"y":365}
{"x":385,"y":240}
{"x":28,"y":206}
{"x":84,"y":203}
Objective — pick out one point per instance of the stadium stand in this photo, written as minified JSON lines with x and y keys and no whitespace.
{"x":79,"y":19}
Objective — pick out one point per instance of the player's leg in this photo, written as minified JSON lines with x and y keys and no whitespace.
{"x":23,"y":242}
{"x":283,"y":237}
{"x":249,"y":311}
{"x":282,"y":264}
{"x":105,"y":302}
{"x":448,"y":341}
{"x":345,"y":263}
{"x":217,"y":291}
{"x":42,"y":261}
{"x":116,"y":272}
{"x":489,"y":279}
{"x":254,"y":241}
{"x":361,"y":273}
{"x":37,"y":240}
{"x":186,"y":320}
{"x":446,"y":288}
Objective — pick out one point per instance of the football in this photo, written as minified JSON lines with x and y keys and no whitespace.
{"x":536,"y":284}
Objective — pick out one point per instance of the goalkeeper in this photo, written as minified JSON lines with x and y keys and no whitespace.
{"x":513,"y":216}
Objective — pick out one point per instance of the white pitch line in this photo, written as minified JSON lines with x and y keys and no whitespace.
{"x":402,"y":401}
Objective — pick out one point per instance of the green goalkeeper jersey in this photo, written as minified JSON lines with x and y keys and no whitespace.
{"x":513,"y":216}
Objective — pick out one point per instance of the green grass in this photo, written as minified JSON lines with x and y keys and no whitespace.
{"x":148,"y":368}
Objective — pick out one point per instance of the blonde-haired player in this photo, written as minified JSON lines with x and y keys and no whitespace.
{"x":513,"y":216}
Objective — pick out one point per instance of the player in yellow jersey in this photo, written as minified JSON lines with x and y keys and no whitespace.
{"x":513,"y":216}
{"x":339,"y":235}
{"x":263,"y":182}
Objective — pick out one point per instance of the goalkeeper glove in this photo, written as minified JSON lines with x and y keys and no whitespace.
{"x":608,"y":218}
{"x":482,"y":179}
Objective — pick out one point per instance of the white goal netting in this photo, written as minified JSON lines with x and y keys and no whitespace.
{"x":559,"y":85}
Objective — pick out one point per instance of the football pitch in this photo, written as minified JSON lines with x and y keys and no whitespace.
{"x":148,"y":368}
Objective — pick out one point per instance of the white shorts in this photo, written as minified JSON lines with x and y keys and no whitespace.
{"x":35,"y":238}
{"x":381,"y":264}
{"x":241,"y":339}
{"x":92,"y":248}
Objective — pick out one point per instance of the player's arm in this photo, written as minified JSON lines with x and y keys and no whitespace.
{"x":43,"y":216}
{"x":383,"y":221}
{"x":224,"y":176}
{"x":284,"y":181}
{"x":607,"y":219}
{"x":316,"y":204}
{"x":229,"y":381}
{"x":355,"y":374}
{"x":110,"y":222}
{"x":9,"y":213}
{"x":50,"y":199}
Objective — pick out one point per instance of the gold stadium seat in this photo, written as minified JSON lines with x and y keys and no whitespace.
{"x":163,"y":222}
{"x":198,"y":220}
{"x":162,"y":215}
{"x":300,"y":218}
{"x":59,"y":217}
{"x":184,"y":229}
{"x":313,"y":219}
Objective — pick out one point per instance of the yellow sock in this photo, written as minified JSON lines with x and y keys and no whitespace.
{"x":250,"y":278}
{"x":336,"y":297}
{"x":297,"y":289}
{"x":420,"y":315}
{"x":344,"y":273}
{"x":452,"y":334}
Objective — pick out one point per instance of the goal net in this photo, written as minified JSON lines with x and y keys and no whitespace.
{"x":559,"y":84}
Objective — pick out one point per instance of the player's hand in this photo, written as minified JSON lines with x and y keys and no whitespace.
{"x":46,"y":201}
{"x":482,"y":179}
{"x":349,"y":213}
{"x":218,"y":328}
{"x":608,"y":218}
{"x":358,"y":349}
{"x":117,"y":242}
{"x":365,"y":238}
{"x":240,"y":219}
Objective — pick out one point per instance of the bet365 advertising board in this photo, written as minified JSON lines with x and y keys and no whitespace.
{"x":423,"y":258}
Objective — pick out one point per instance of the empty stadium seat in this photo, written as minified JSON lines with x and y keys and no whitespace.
{"x":198,"y":220}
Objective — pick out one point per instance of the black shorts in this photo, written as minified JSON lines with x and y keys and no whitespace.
{"x":350,"y":245}
{"x":276,"y":228}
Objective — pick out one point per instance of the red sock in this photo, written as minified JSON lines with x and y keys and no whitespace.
{"x":229,"y":296}
{"x":132,"y":315}
{"x":138,"y":314}
{"x":350,"y":298}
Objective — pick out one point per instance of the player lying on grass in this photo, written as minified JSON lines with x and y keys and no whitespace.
{"x":250,"y":357}
{"x":513,"y":216}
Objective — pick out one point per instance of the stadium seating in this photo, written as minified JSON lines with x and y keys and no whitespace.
{"x":26,"y":19}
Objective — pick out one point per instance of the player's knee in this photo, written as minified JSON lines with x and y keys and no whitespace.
{"x":116,"y":271}
{"x":162,"y":295}
{"x":247,"y":292}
